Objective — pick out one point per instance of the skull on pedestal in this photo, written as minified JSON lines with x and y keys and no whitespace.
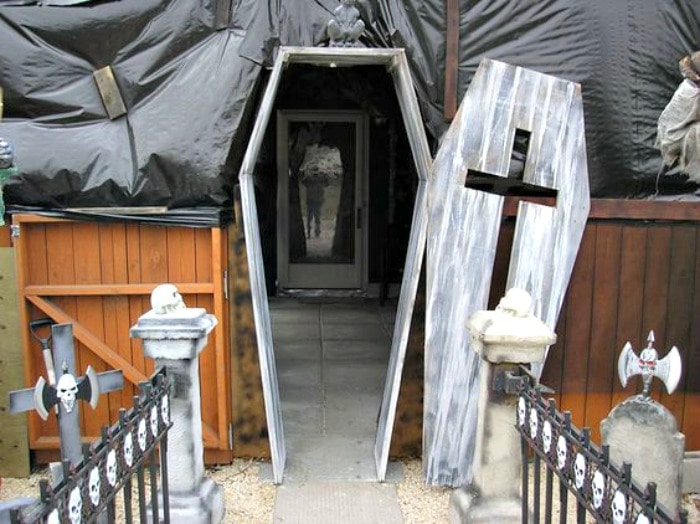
{"x":165,"y":299}
{"x":66,"y":391}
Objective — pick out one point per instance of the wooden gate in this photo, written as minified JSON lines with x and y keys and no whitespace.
{"x":99,"y":276}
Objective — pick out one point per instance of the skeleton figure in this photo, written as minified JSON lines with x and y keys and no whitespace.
{"x":75,"y":506}
{"x":533,"y":423}
{"x":521,"y":411}
{"x":547,"y":436}
{"x":579,"y":471}
{"x":141,"y":435}
{"x":66,"y":390}
{"x":165,"y":409}
{"x":154,"y":421}
{"x":7,"y":155}
{"x":112,"y":468}
{"x":129,"y":449}
{"x":165,"y":299}
{"x":561,"y":452}
{"x":94,"y":485}
{"x":619,"y":508}
{"x":598,"y":488}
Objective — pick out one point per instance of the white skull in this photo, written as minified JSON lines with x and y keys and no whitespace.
{"x":547,"y":436}
{"x":94,"y":486}
{"x":561,"y":452}
{"x":598,"y":487}
{"x":579,"y":471}
{"x":521,"y":411}
{"x":165,"y":409}
{"x":75,"y":506}
{"x":112,"y":468}
{"x":66,"y":390}
{"x":516,"y":302}
{"x":53,"y":518}
{"x":533,"y":423}
{"x":166,"y":299}
{"x":141,"y":435}
{"x":619,"y":508}
{"x":129,"y":449}
{"x":642,"y":519}
{"x":154,"y":421}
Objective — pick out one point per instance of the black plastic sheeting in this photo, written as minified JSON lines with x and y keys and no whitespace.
{"x":191,"y":90}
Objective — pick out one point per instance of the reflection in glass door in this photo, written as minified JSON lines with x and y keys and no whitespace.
{"x":320,"y":199}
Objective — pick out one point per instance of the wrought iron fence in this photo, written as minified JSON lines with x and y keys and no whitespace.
{"x":601,"y":490}
{"x":89,"y":492}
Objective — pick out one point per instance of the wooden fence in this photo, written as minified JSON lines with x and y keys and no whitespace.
{"x":638,"y":269}
{"x":99,"y":276}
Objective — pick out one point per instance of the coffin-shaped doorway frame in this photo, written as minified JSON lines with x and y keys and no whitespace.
{"x":397,"y":65}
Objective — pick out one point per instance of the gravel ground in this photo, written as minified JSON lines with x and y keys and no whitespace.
{"x":250,"y":501}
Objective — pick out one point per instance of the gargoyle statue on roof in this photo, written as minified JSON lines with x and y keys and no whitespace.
{"x":678,"y":135}
{"x":346,"y":27}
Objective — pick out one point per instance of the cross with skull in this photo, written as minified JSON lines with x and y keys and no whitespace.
{"x":43,"y":396}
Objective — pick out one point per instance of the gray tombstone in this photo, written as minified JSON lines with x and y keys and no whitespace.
{"x":644,"y":433}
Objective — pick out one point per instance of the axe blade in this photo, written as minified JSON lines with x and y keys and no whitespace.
{"x":41,"y":408}
{"x":669,"y":369}
{"x":90,"y":387}
{"x":627,"y":364}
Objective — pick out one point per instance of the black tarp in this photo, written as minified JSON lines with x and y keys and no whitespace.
{"x":190,"y":89}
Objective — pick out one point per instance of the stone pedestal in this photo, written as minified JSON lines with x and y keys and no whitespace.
{"x":174,"y":340}
{"x":644,"y":433}
{"x":502,"y":340}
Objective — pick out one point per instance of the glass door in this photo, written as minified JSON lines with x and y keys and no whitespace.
{"x":321,"y":212}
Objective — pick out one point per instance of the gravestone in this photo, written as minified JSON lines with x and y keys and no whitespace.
{"x":644,"y":433}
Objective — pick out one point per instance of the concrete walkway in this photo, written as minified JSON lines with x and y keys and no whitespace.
{"x":331,"y":361}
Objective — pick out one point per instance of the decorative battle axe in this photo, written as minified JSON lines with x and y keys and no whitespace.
{"x":647,"y":364}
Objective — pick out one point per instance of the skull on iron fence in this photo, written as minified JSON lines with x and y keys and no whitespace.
{"x":598,"y":489}
{"x":94,"y":485}
{"x":619,"y":508}
{"x":75,"y":506}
